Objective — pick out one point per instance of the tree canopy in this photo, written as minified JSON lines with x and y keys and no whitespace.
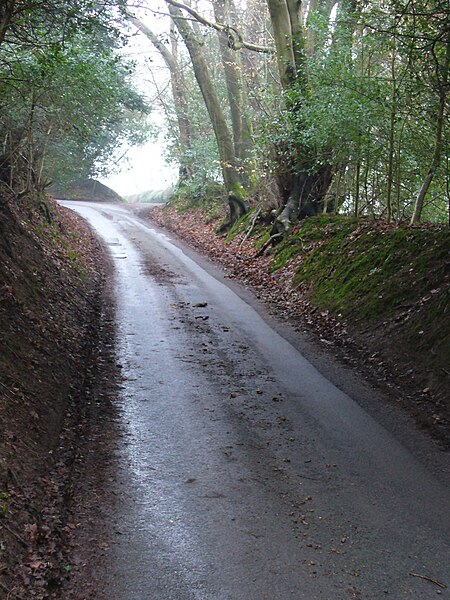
{"x":320,"y":105}
{"x":305,"y":107}
{"x":67,"y":101}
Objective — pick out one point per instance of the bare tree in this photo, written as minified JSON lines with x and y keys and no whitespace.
{"x":178,"y":86}
{"x":231,"y":174}
{"x":231,"y":61}
{"x":442,"y":73}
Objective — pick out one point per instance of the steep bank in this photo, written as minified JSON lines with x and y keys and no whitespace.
{"x":375,"y":294}
{"x":89,"y":190}
{"x":51,"y":300}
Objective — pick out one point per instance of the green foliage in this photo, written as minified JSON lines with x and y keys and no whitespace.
{"x":47,"y":22}
{"x":66,"y":107}
{"x":209,"y":198}
{"x":200,"y":161}
{"x":152,"y":196}
{"x":370,"y":94}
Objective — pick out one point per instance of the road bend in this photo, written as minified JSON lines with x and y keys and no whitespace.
{"x":243,"y":472}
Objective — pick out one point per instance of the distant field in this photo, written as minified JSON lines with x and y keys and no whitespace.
{"x":151,"y":196}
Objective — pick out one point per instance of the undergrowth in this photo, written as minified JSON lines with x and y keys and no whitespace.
{"x":207,"y":198}
{"x":364,"y":270}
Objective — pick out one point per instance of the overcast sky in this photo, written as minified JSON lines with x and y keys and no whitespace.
{"x":144,"y":168}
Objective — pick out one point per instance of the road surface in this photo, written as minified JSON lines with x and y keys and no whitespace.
{"x":243,"y":472}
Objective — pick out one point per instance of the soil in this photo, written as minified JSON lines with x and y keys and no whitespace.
{"x":87,"y":189}
{"x":55,"y":331}
{"x":385,"y":354}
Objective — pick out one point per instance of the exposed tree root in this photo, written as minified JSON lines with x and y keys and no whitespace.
{"x":261,"y":251}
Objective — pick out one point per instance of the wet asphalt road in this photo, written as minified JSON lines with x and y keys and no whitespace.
{"x":244,"y":474}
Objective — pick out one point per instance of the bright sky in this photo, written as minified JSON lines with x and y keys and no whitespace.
{"x":144,"y":167}
{"x":144,"y":170}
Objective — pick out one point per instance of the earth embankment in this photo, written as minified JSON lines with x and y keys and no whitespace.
{"x":52,"y":285}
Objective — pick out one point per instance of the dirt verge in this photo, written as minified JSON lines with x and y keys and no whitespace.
{"x":55,"y":329}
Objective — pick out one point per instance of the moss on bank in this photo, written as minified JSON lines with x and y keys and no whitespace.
{"x":370,"y":270}
{"x":389,"y":282}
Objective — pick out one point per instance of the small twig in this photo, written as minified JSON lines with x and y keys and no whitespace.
{"x":438,"y":583}
{"x":252,"y":225}
{"x":9,"y":188}
{"x":11,"y":350}
{"x":11,"y":593}
{"x":8,"y":390}
{"x":7,"y":590}
{"x":16,"y":535}
{"x":262,"y":250}
{"x":15,"y":479}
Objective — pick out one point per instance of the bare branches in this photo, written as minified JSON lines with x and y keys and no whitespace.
{"x":235,"y":39}
{"x":168,"y":58}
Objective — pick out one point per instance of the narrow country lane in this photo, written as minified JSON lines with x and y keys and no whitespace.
{"x":244,"y":474}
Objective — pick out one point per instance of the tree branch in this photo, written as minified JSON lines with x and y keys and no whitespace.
{"x":235,"y":40}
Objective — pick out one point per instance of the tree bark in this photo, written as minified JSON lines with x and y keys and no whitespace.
{"x":346,"y":21}
{"x":231,"y":176}
{"x":235,"y":38}
{"x":6,"y":14}
{"x":306,"y":198}
{"x":233,"y":77}
{"x":283,"y":34}
{"x":298,"y":38}
{"x":357,"y":180}
{"x":418,"y":206}
{"x":178,"y":91}
{"x":218,"y":121}
{"x":308,"y":185}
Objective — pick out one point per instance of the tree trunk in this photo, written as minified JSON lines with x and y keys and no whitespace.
{"x":233,"y":77}
{"x":230,"y":171}
{"x":178,"y":91}
{"x":306,"y":199}
{"x":308,"y":187}
{"x":218,"y":121}
{"x":298,"y":37}
{"x":6,"y":13}
{"x":283,"y":34}
{"x":391,"y":153}
{"x":418,"y":207}
{"x":317,"y":7}
{"x":30,"y":145}
{"x":357,"y":178}
{"x":346,"y":21}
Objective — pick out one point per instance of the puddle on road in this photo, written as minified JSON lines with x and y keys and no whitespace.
{"x":114,"y":243}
